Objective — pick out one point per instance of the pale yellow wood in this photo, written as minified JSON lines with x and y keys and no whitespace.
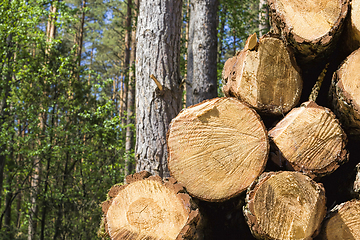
{"x":310,"y":139}
{"x":217,"y":148}
{"x":146,"y":208}
{"x":260,"y":76}
{"x":285,"y":206}
{"x":251,"y":42}
{"x":355,"y":21}
{"x":310,"y":19}
{"x":344,"y":222}
{"x":345,"y":91}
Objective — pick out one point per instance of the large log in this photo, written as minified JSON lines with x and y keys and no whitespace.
{"x":285,"y":205}
{"x":309,"y":139}
{"x":217,"y":148}
{"x":148,"y":207}
{"x":259,"y":74}
{"x":343,"y":222}
{"x":312,"y":28}
{"x":345,"y":92}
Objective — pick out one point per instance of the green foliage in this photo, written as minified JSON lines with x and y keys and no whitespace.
{"x":62,"y":118}
{"x":64,"y":121}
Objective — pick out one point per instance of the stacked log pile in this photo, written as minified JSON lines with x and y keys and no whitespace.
{"x":272,"y":158}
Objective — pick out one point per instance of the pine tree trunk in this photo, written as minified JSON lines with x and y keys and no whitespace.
{"x":157,"y":102}
{"x":259,"y":74}
{"x":202,"y":52}
{"x":217,"y":148}
{"x":310,"y":140}
{"x":285,"y":205}
{"x":131,"y":93}
{"x":264,"y":25}
{"x":150,"y":208}
{"x":312,"y":28}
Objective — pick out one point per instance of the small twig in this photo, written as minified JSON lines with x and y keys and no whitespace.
{"x":316,"y":88}
{"x":158,"y":84}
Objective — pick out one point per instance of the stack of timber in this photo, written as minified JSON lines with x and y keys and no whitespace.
{"x":292,"y":97}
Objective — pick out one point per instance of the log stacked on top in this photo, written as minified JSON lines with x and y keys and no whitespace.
{"x":259,"y":74}
{"x":309,"y":139}
{"x":312,"y":28}
{"x":217,"y":148}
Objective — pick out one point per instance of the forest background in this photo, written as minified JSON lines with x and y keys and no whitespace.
{"x":67,"y":129}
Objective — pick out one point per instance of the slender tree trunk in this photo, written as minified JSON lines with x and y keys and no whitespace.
{"x":127,"y":41}
{"x":202,"y":52}
{"x":81,"y":33}
{"x":158,"y":99}
{"x":264,"y":25}
{"x":186,"y":47}
{"x":35,"y":181}
{"x":222,"y":21}
{"x":131,"y":94}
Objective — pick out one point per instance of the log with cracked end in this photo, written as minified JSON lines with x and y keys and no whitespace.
{"x":260,"y":73}
{"x":310,"y":140}
{"x":312,"y":28}
{"x":343,"y":222}
{"x":217,"y":148}
{"x":285,"y":206}
{"x":148,"y":207}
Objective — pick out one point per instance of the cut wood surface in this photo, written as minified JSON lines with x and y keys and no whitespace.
{"x":285,"y":205}
{"x":151,"y":208}
{"x":217,"y":148}
{"x":343,"y":222}
{"x":352,"y":29}
{"x":345,"y":92}
{"x":309,"y":139}
{"x":311,"y":27}
{"x":264,"y":75}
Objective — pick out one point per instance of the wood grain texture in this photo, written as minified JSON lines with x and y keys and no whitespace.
{"x":217,"y":148}
{"x":343,"y":222}
{"x":285,"y":205}
{"x":151,"y":208}
{"x":309,"y":139}
{"x":312,"y":28}
{"x":345,"y":92}
{"x":259,"y":74}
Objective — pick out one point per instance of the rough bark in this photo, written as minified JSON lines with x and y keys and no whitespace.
{"x":345,"y":94}
{"x":285,"y":205}
{"x":343,"y":222}
{"x":312,"y":28}
{"x":151,"y":208}
{"x":201,"y":81}
{"x":158,"y":54}
{"x":217,"y":148}
{"x":131,"y":93}
{"x":259,"y":74}
{"x":310,"y":140}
